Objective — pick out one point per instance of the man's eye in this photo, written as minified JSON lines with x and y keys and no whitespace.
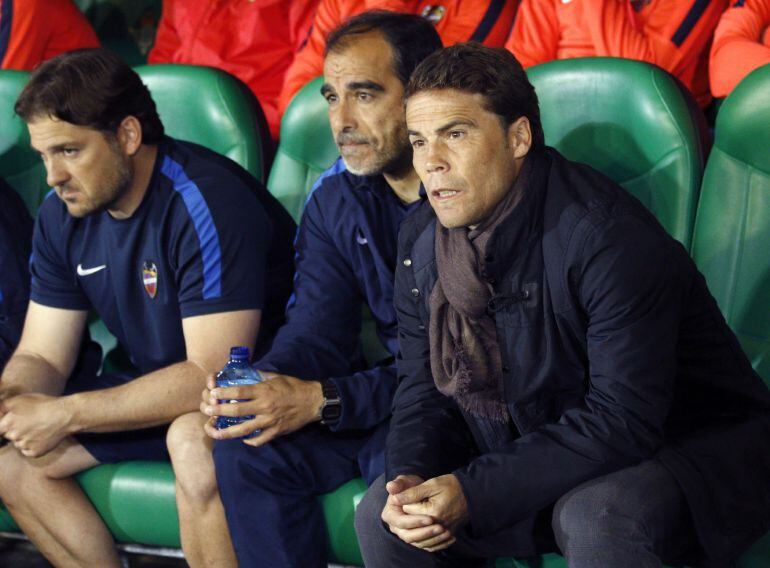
{"x":364,"y":96}
{"x":455,"y":134}
{"x":70,"y":151}
{"x":418,"y":143}
{"x":331,"y":99}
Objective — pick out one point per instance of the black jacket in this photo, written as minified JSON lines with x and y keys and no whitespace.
{"x":614,"y":352}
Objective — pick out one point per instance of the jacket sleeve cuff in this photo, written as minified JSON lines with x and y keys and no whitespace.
{"x":476,"y":513}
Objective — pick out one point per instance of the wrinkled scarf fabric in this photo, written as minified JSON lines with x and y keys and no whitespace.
{"x":464,"y":350}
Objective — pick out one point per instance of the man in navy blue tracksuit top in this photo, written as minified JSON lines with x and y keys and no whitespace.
{"x":346,"y":256}
{"x":15,"y":240}
{"x":180,"y":252}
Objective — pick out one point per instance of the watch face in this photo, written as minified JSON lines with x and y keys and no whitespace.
{"x":330,"y":413}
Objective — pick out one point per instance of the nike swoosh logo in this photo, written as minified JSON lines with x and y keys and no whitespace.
{"x":86,"y":271}
{"x":361,"y":240}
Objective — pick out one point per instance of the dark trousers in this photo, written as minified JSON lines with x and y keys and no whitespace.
{"x":633,"y":517}
{"x":269,"y":494}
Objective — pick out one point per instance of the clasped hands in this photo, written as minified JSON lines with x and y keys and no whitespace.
{"x":425,"y":514}
{"x":34,"y":423}
{"x":281,"y":404}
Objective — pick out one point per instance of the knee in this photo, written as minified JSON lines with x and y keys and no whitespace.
{"x":190,"y":451}
{"x":368,"y":515}
{"x":585,"y":517}
{"x":275,"y":468}
{"x":16,"y":474}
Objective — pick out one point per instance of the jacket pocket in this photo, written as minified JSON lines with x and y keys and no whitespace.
{"x":519,"y":308}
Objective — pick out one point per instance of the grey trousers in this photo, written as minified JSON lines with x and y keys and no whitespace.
{"x":633,"y":517}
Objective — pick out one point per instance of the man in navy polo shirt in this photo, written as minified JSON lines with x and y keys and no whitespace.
{"x":323,"y":413}
{"x":179,"y":251}
{"x":15,"y":238}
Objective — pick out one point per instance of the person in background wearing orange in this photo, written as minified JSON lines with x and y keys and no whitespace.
{"x":673,"y":34}
{"x":741,"y":44}
{"x":485,"y":21}
{"x":32,"y":31}
{"x":255,"y":40}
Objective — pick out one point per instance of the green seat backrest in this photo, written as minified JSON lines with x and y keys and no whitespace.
{"x":631,"y":121}
{"x":306,"y":149}
{"x":19,"y":165}
{"x":731,"y":244}
{"x":211,"y":108}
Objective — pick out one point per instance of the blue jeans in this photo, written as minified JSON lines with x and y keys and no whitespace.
{"x":633,"y":517}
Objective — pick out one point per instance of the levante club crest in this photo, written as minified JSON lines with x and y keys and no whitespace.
{"x":150,"y":278}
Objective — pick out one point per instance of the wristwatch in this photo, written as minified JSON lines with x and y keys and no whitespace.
{"x":331,"y":409}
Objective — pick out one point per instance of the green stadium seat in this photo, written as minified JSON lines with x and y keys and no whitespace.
{"x":732,"y":229}
{"x":632,"y":122}
{"x":306,"y":148}
{"x":212,"y":108}
{"x":19,"y":165}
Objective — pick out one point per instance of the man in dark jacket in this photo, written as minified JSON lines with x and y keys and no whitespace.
{"x":564,"y":373}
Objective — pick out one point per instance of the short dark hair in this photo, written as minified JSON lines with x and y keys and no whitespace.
{"x":492,"y":72}
{"x":412,"y":38}
{"x":93,"y":88}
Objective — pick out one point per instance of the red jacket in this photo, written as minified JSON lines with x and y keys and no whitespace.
{"x":32,"y":31}
{"x":741,"y":44}
{"x":255,"y":40}
{"x":488,"y":21}
{"x":673,"y":34}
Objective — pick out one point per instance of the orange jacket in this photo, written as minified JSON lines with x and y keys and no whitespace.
{"x":32,"y":31}
{"x":255,"y":40}
{"x":741,"y":44}
{"x":488,"y":21}
{"x":673,"y":34}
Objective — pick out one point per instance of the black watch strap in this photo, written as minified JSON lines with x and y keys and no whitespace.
{"x":331,"y":410}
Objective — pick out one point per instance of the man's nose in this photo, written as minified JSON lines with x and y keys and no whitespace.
{"x":56,"y":173}
{"x":435,"y":162}
{"x":342,"y":117}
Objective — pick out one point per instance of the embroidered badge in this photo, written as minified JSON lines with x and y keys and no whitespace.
{"x":433,"y":14}
{"x":150,"y":278}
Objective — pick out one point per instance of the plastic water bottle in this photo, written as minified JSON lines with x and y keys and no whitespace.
{"x":235,"y":373}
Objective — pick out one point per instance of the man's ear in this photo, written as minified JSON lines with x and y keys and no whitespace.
{"x":130,"y":135}
{"x":520,"y":137}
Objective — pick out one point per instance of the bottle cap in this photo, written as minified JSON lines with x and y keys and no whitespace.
{"x":240,"y":353}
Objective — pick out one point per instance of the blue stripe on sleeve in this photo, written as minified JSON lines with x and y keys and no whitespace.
{"x":336,"y":168}
{"x":6,"y":20}
{"x":204,"y":226}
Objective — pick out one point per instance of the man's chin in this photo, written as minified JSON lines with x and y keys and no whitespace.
{"x":359,"y":168}
{"x":78,"y":211}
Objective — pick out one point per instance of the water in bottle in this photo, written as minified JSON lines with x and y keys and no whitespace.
{"x":235,"y":373}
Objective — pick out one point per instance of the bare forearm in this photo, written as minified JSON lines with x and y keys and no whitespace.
{"x":30,"y":373}
{"x":151,"y":400}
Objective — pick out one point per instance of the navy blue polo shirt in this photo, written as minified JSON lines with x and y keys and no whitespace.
{"x":15,"y":240}
{"x":206,"y":238}
{"x":345,"y":257}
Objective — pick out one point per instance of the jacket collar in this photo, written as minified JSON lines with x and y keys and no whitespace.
{"x":523,"y":226}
